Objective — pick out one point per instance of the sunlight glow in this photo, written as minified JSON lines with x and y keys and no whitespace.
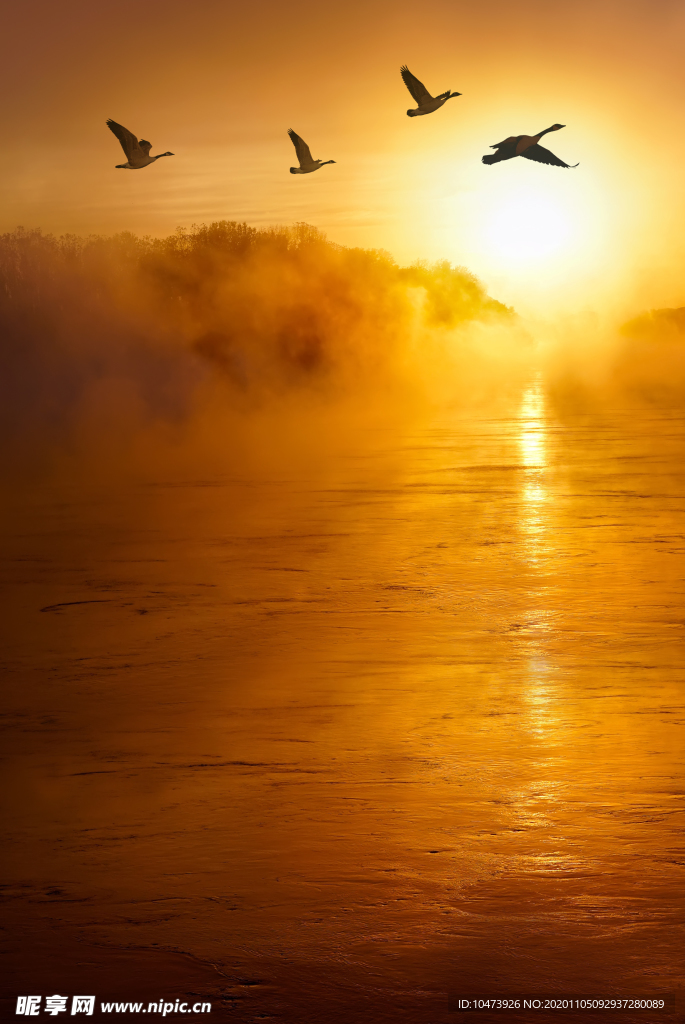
{"x":535,"y":234}
{"x":528,"y":226}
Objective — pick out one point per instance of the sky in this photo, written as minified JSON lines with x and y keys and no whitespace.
{"x":220,"y":83}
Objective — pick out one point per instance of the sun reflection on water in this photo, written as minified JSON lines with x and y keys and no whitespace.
{"x":532,"y":426}
{"x":540,"y":706}
{"x":532,"y":440}
{"x":534,"y":527}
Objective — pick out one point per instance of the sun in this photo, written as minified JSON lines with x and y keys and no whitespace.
{"x":527,"y":225}
{"x":537,"y":234}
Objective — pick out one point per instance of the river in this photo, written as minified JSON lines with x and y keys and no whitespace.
{"x":329,"y":746}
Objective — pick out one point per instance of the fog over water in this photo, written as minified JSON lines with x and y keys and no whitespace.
{"x":343,"y":614}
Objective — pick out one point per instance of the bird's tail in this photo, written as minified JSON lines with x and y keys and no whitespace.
{"x":491,"y":158}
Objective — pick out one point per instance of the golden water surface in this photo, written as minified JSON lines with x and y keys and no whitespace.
{"x":329,"y":747}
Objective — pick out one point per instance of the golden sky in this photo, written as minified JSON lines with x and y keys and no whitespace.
{"x":219,"y":84}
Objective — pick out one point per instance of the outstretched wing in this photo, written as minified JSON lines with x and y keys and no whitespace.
{"x":416,"y":88}
{"x":543,"y":156}
{"x":129,"y":143}
{"x":505,"y":142}
{"x":301,"y":148}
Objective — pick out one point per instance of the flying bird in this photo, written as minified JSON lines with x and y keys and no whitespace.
{"x":526,"y":145}
{"x":426,"y":103}
{"x":307,"y":164}
{"x":137,"y":153}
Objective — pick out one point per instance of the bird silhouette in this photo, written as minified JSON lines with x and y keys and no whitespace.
{"x":137,"y":153}
{"x":304,"y":156}
{"x":526,"y":145}
{"x":426,"y":103}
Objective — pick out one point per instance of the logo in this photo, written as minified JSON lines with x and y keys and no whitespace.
{"x":29,"y":1006}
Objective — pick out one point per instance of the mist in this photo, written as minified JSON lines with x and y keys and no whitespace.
{"x":228,"y":348}
{"x":121,"y":350}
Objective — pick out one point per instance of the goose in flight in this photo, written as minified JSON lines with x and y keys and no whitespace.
{"x":426,"y":103}
{"x":137,"y":153}
{"x":307,"y":164}
{"x":526,"y":145}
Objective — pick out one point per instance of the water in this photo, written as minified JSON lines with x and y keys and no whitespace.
{"x":328,"y":746}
